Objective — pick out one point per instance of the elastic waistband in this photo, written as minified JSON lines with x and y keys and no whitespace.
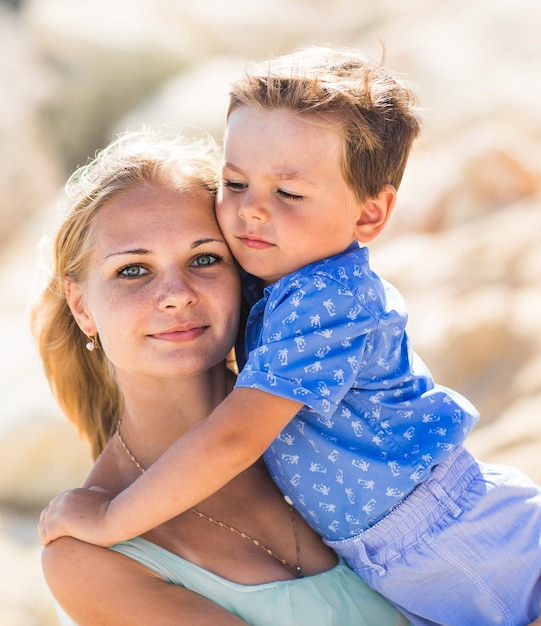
{"x":438,"y":496}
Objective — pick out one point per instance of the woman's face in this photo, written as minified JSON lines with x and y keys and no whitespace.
{"x":163,"y":289}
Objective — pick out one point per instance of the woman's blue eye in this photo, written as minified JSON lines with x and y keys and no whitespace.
{"x":207,"y":259}
{"x":133,"y":271}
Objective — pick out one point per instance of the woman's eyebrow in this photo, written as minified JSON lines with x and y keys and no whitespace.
{"x":130,"y":251}
{"x":202,"y":242}
{"x":142,"y":251}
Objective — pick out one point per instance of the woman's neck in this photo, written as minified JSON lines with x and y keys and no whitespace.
{"x":158,"y":411}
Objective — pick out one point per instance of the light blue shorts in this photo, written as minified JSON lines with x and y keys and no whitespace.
{"x":463,"y":549}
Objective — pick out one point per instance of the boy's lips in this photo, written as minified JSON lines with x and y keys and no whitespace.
{"x":257,"y":243}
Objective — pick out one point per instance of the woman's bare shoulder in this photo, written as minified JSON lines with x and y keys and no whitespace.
{"x":79,"y":573}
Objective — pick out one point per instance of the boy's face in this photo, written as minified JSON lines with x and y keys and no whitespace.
{"x":283,"y":201}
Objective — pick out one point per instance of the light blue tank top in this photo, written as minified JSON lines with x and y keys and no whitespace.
{"x":337,"y":597}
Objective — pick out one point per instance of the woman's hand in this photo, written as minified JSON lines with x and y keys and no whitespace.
{"x":78,"y":513}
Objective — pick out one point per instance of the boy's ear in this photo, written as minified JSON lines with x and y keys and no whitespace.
{"x":75,"y":298}
{"x":375,"y":213}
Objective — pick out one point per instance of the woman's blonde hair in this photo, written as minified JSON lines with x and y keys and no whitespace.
{"x":83,"y":382}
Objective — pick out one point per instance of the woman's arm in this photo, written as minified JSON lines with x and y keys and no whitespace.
{"x":97,"y":586}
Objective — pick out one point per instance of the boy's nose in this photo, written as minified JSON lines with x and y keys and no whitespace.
{"x":252,"y":208}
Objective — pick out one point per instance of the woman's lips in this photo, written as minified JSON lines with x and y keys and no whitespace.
{"x":180,"y":335}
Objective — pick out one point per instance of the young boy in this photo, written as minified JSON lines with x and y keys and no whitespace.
{"x":353,"y":429}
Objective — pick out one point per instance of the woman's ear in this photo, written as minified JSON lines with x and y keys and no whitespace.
{"x":375,"y":213}
{"x":75,"y":298}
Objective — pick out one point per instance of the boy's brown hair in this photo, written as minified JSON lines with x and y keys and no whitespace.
{"x":375,"y":112}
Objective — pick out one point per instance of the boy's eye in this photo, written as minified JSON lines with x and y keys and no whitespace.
{"x":289,"y":196}
{"x":234,"y":186}
{"x":204,"y":260}
{"x":132,"y":271}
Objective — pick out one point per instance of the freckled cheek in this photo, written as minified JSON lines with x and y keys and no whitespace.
{"x":120,"y":318}
{"x":123,"y":336}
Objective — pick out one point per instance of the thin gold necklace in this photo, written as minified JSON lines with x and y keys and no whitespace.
{"x":294,"y":568}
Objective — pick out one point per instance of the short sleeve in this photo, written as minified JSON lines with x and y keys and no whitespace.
{"x":313,"y":337}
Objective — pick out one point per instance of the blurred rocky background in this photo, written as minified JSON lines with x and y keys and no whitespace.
{"x":463,"y":246}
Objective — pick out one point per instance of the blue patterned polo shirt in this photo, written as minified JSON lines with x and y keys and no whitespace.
{"x":332,"y":336}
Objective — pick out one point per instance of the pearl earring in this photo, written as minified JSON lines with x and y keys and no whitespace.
{"x":91,"y":344}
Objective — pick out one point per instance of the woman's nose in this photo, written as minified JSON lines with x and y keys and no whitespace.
{"x":176,"y":290}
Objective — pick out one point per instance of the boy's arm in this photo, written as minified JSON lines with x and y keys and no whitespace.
{"x":207,"y":457}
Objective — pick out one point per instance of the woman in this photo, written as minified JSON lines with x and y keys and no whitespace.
{"x":134,"y":329}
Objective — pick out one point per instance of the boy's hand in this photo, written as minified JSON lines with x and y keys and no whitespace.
{"x":79,"y":513}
